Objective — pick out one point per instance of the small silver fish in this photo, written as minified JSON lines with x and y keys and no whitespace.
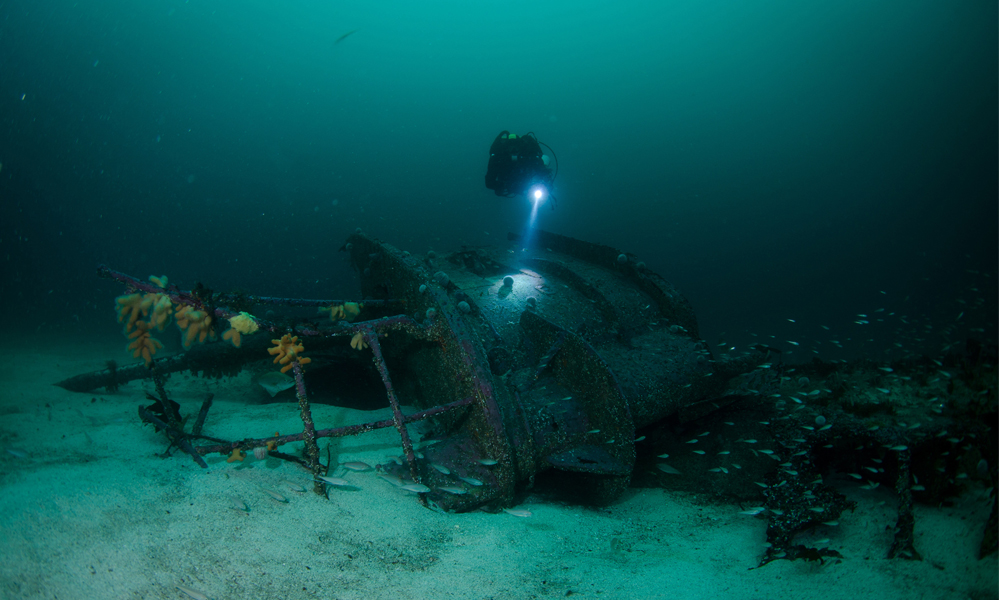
{"x":294,"y":486}
{"x":275,"y":495}
{"x":334,"y":481}
{"x":193,"y":593}
{"x":396,"y":481}
{"x":416,"y":488}
{"x":517,"y":512}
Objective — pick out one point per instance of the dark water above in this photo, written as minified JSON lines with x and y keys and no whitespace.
{"x":775,"y":161}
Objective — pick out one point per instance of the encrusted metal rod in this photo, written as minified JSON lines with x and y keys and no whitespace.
{"x":275,"y":301}
{"x":371,"y":338}
{"x":902,"y":543}
{"x":200,"y":421}
{"x":177,"y":438}
{"x":180,"y":296}
{"x":158,"y":382}
{"x":397,"y":322}
{"x":191,"y":359}
{"x":347,"y":430}
{"x":172,"y":291}
{"x":309,"y":429}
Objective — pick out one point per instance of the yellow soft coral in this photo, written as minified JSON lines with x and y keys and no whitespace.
{"x":196,"y":323}
{"x":162,"y":311}
{"x":242,"y":323}
{"x":358,"y":341}
{"x":143,"y":344}
{"x":182,"y":315}
{"x":132,"y":305}
{"x":286,"y":352}
{"x":233,"y":335}
{"x":347,"y":311}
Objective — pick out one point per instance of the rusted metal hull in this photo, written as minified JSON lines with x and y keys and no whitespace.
{"x":565,"y":352}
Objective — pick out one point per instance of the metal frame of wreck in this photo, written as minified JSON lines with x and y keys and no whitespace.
{"x":369,"y":330}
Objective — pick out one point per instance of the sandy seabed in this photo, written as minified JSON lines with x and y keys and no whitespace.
{"x":89,"y":509}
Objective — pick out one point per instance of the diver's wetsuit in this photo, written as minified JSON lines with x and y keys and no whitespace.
{"x":515,"y":165}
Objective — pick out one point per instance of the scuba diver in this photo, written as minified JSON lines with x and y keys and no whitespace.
{"x":518,"y":166}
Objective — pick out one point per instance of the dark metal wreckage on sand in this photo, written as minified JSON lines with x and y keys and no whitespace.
{"x":576,"y":369}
